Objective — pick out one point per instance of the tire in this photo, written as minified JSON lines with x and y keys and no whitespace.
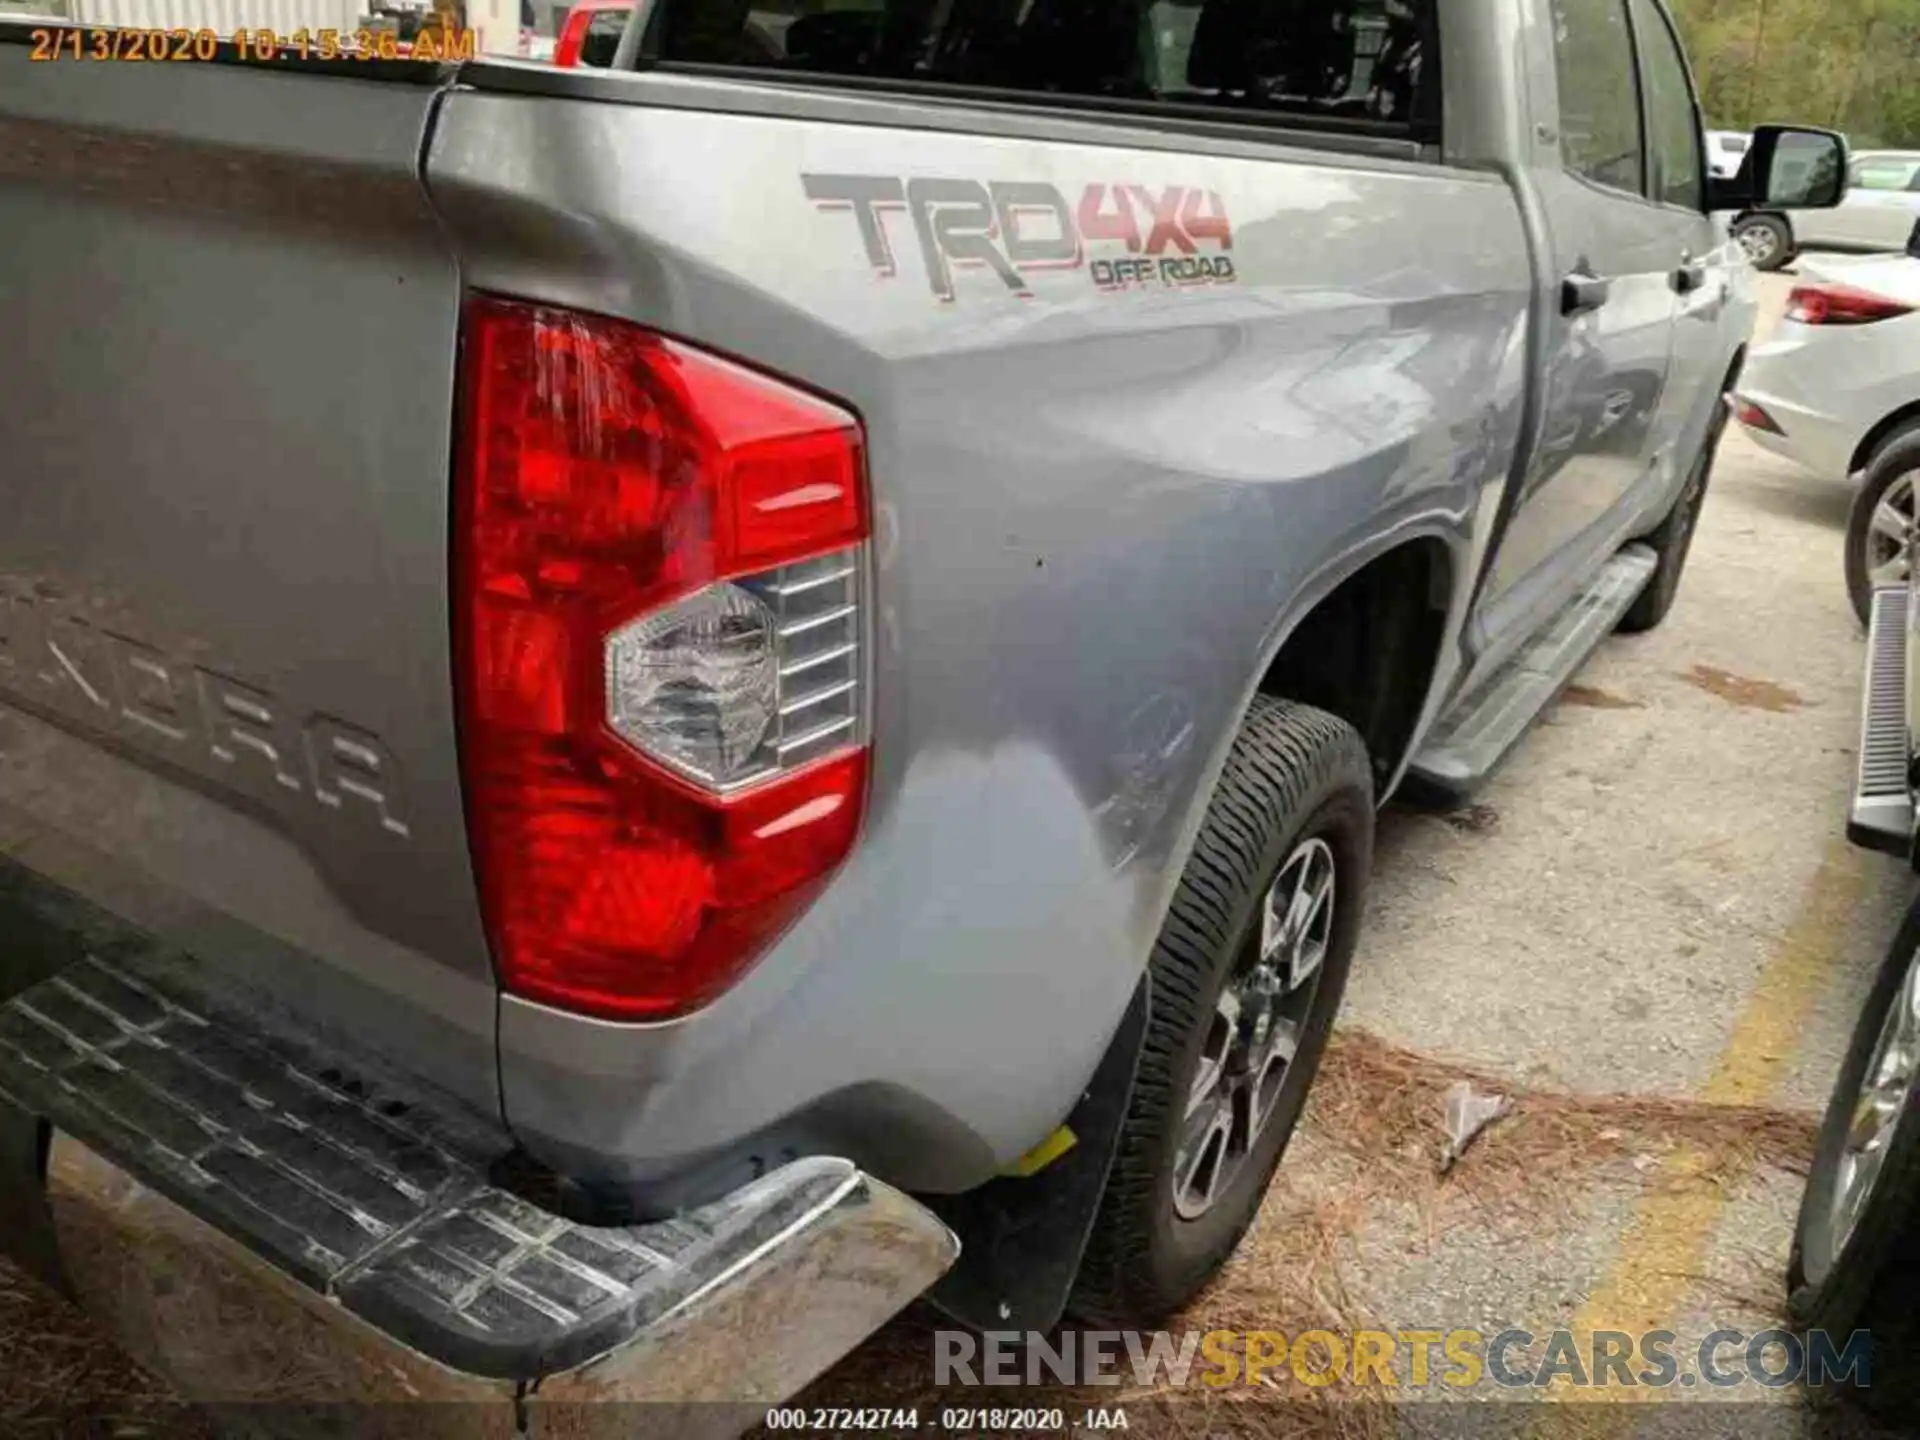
{"x":1296,"y":779}
{"x":1767,"y":239}
{"x":1883,"y":504}
{"x":1869,"y":1278}
{"x":1673,"y":538}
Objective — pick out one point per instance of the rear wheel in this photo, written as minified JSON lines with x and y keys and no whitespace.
{"x":1880,"y":525}
{"x":1856,"y":1247}
{"x":1247,"y":976}
{"x":1767,"y":239}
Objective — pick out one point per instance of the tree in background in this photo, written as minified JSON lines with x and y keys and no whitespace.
{"x":1853,"y":65}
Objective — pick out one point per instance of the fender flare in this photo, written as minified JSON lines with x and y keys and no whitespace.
{"x":1454,"y":535}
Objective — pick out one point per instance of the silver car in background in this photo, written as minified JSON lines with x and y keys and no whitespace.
{"x":1881,"y":206}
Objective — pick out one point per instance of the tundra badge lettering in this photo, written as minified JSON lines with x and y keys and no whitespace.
{"x":212,"y":723}
{"x":1017,"y":227}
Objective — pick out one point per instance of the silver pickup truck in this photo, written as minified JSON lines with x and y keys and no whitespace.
{"x":644,"y":712}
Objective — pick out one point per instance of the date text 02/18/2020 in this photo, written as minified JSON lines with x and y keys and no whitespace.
{"x":949,"y":1419}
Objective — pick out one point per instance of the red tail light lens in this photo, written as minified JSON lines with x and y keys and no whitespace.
{"x":659,"y":573}
{"x":1841,"y":305}
{"x":1755,"y":416}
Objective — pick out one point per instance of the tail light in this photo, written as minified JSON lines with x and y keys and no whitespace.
{"x":659,"y":574}
{"x":1755,"y":416}
{"x":1841,"y":305}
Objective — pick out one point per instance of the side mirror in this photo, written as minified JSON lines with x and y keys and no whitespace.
{"x":1913,"y":241}
{"x":1788,"y":167}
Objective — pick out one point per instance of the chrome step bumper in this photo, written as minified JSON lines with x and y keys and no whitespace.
{"x":1475,"y":735}
{"x":1881,"y":814}
{"x":256,"y":1224}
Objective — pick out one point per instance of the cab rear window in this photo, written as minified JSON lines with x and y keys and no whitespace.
{"x":1365,"y":64}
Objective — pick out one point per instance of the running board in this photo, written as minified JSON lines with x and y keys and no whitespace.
{"x":1881,"y":815}
{"x":1472,"y":738}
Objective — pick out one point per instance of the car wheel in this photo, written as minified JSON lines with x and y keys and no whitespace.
{"x":1856,"y":1247}
{"x":1880,"y":525}
{"x":1247,"y":975}
{"x":1767,"y":239}
{"x":1674,"y":538}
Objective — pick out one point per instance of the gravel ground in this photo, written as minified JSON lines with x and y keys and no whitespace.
{"x":1646,"y":930}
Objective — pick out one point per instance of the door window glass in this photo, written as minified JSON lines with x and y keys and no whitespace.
{"x":1675,"y":123}
{"x":1599,"y":96}
{"x":1885,"y":174}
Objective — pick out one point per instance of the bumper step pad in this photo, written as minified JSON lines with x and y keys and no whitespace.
{"x":1472,"y":738}
{"x":1881,"y":815}
{"x":357,"y":1195}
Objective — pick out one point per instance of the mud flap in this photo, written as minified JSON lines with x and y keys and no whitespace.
{"x":1021,"y":1238}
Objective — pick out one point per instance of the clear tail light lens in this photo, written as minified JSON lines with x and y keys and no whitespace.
{"x":1841,"y":305}
{"x":746,"y":678}
{"x":659,"y":572}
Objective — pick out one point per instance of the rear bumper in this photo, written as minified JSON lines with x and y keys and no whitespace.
{"x":1827,"y":386}
{"x":258,"y":1226}
{"x":1812,"y":437}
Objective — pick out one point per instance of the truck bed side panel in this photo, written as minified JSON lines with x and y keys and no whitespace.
{"x":1099,"y":508}
{"x":225,"y":389}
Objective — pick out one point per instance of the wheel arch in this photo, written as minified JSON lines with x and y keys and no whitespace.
{"x":1891,"y":425}
{"x":1368,"y":646}
{"x":1436,"y":535}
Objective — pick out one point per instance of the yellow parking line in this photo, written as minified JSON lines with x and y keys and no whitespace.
{"x":1664,"y":1246}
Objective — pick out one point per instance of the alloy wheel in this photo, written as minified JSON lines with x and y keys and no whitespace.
{"x":1889,"y":533}
{"x":1255,"y":1031}
{"x":1760,"y":242}
{"x":1886,"y":1090}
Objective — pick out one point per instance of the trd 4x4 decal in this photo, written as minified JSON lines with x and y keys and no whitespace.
{"x":1178,"y":236}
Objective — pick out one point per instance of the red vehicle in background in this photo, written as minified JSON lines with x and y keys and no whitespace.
{"x":591,"y":32}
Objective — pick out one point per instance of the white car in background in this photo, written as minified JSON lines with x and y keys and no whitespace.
{"x":1881,"y":207}
{"x":1725,"y":148}
{"x":1837,"y":389}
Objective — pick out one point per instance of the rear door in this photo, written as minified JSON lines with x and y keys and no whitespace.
{"x":1611,"y":327}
